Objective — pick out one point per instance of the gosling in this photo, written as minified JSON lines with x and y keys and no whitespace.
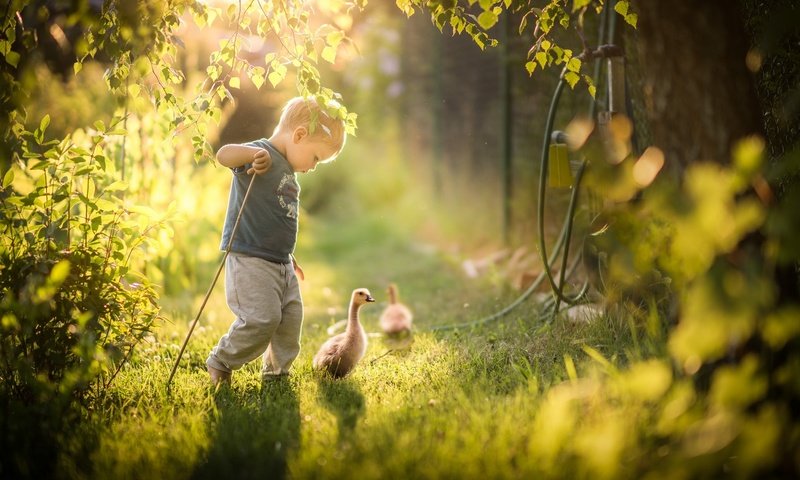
{"x":340,"y":354}
{"x":396,"y":318}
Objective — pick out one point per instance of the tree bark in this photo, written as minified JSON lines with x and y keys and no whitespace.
{"x":694,"y":89}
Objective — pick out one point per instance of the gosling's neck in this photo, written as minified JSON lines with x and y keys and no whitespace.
{"x":352,"y":322}
{"x":392,"y":295}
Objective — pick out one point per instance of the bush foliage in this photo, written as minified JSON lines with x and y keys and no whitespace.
{"x":72,"y":308}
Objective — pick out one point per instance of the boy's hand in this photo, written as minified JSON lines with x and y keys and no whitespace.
{"x":261,"y":162}
{"x":297,"y":270}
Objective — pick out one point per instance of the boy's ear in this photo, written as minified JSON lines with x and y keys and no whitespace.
{"x":299,"y":133}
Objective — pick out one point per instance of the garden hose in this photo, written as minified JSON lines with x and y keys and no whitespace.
{"x":214,"y":282}
{"x":573,"y":202}
{"x":548,"y":130}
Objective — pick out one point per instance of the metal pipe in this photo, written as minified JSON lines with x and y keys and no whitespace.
{"x":616,"y":84}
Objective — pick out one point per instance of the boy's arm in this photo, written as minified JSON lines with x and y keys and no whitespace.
{"x":234,"y":155}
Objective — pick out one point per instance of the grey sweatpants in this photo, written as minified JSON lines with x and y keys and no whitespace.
{"x":265,"y":298}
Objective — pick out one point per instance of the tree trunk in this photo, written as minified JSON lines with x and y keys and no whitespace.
{"x":690,"y":83}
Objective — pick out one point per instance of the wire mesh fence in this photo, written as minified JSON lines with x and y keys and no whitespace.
{"x":473,"y":121}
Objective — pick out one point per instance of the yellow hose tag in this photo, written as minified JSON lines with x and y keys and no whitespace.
{"x":559,"y":174}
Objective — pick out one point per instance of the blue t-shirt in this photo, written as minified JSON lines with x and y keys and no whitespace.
{"x":268,"y":228}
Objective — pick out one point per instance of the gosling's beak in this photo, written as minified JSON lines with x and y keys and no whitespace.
{"x":370,"y":299}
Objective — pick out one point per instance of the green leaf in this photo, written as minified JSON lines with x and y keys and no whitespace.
{"x":235,"y":82}
{"x":621,"y":7}
{"x":329,"y":54}
{"x":530,"y":67}
{"x":77,"y":67}
{"x":274,"y":78}
{"x":487,"y":20}
{"x":257,"y":77}
{"x":748,"y":156}
{"x":564,"y":20}
{"x":143,"y":210}
{"x":200,"y":19}
{"x":44,"y":123}
{"x":334,"y":38}
{"x":569,"y":364}
{"x":104,"y":205}
{"x":578,"y":4}
{"x":8,"y":178}
{"x":134,"y":89}
{"x":590,"y":84}
{"x":119,"y":185}
{"x":457,"y":24}
{"x":9,"y":322}
{"x":59,"y":272}
{"x":574,"y":64}
{"x":546,"y":20}
{"x":632,"y":19}
{"x":541,"y":57}
{"x":441,"y":19}
{"x":599,"y":358}
{"x":572,"y":78}
{"x":523,"y":23}
{"x":406,"y":6}
{"x":12,"y":58}
{"x":13,"y":200}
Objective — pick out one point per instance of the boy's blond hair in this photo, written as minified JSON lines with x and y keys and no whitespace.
{"x":303,"y":112}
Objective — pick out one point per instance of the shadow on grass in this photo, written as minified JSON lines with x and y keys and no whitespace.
{"x":344,"y":399}
{"x":399,"y":343}
{"x":254,"y":432}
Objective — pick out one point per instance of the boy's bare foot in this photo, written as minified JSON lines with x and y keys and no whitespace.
{"x":218,"y":376}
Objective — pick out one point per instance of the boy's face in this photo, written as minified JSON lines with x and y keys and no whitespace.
{"x":305,"y":152}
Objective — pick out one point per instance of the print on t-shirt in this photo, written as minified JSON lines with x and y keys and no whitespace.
{"x":288,"y":195}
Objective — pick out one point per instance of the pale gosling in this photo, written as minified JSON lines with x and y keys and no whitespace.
{"x":396,"y":317}
{"x":340,"y":354}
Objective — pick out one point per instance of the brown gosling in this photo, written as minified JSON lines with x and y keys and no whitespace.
{"x":396,"y":317}
{"x":340,"y":354}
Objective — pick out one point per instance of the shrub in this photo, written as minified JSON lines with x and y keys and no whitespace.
{"x":71,"y":312}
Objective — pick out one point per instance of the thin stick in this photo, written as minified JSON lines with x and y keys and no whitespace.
{"x":387,"y":352}
{"x":213,"y":283}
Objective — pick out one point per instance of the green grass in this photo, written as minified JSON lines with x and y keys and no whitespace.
{"x":461,"y":404}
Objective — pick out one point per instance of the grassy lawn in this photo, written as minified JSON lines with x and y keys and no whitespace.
{"x":466,"y":403}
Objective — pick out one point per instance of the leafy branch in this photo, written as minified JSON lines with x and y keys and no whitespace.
{"x":540,"y":25}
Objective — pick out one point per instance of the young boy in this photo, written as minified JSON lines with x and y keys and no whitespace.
{"x":261,"y":284}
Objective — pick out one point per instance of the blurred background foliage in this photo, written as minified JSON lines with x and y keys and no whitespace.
{"x":695,"y":221}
